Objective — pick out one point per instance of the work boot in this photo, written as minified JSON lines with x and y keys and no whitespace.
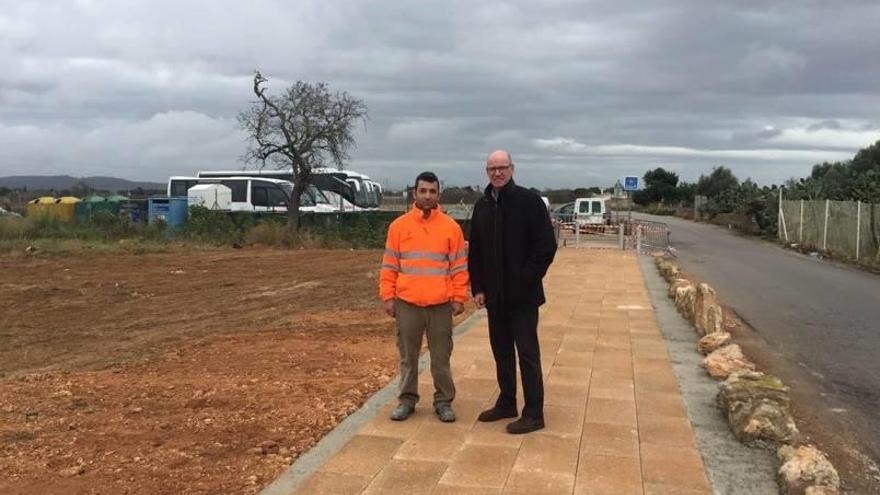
{"x":525,"y":425}
{"x":496,"y":413}
{"x":445,"y":413}
{"x":402,"y":412}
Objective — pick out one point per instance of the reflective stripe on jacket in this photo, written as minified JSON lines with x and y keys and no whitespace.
{"x":425,"y":260}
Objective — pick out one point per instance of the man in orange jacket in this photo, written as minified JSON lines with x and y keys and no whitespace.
{"x":423,"y":283}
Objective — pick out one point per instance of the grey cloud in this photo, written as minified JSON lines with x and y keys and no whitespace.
{"x":446,"y":82}
{"x":768,"y":133}
{"x":825,"y":124}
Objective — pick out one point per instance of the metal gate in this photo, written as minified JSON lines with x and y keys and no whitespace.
{"x":639,"y":235}
{"x":649,"y":237}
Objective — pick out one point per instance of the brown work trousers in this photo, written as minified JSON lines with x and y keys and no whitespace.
{"x":436,"y":322}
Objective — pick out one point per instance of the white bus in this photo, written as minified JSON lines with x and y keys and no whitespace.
{"x":346,"y":189}
{"x":255,"y":194}
{"x":372,"y":190}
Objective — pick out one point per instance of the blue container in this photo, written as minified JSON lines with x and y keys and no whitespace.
{"x":171,"y":210}
{"x":136,"y":210}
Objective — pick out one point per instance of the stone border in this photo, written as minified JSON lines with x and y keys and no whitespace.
{"x":306,"y":464}
{"x":756,"y":404}
{"x":732,"y":467}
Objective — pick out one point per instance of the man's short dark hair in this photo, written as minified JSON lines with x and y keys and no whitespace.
{"x":427,"y":177}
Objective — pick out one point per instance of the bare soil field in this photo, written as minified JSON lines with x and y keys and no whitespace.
{"x":181,"y":373}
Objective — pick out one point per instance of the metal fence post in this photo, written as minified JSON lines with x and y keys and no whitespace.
{"x":639,"y":239}
{"x":781,"y":216}
{"x":620,"y":236}
{"x":801,"y":225}
{"x":858,"y":227}
{"x":825,"y":233}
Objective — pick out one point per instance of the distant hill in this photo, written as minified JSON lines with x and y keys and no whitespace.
{"x":61,"y":182}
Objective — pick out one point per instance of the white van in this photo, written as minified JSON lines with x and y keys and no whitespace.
{"x":589,"y":211}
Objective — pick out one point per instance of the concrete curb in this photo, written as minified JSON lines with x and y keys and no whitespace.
{"x":732,"y":467}
{"x":292,"y":477}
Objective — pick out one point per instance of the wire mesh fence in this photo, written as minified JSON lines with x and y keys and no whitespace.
{"x":395,"y":203}
{"x":844,"y":228}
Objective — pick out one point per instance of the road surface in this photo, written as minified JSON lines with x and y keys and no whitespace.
{"x":817,"y":323}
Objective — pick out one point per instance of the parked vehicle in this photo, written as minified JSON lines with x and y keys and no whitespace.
{"x":178,"y":185}
{"x":564,"y":214}
{"x":210,"y":196}
{"x":374,"y":192}
{"x":590,"y":211}
{"x":255,"y":194}
{"x":367,"y":193}
{"x":345,"y":189}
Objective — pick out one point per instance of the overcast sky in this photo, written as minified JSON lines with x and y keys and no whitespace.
{"x":581,"y":92}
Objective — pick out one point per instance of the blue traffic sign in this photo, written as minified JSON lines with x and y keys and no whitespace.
{"x":631,"y":183}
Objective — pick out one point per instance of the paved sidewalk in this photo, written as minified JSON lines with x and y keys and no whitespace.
{"x":615,"y":419}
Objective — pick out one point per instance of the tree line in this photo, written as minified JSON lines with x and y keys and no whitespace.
{"x":857,"y":179}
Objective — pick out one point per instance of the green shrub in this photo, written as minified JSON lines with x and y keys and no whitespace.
{"x":212,"y":227}
{"x":362,"y":230}
{"x":659,"y":209}
{"x":12,"y":228}
{"x":105,"y":230}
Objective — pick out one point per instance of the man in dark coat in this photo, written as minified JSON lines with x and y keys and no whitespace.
{"x":510,"y":248}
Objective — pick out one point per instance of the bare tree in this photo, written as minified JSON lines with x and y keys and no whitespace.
{"x":304,"y":128}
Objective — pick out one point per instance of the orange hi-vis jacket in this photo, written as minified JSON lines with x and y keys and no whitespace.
{"x":425,"y":260}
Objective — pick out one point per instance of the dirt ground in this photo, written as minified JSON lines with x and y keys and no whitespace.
{"x":183,"y":373}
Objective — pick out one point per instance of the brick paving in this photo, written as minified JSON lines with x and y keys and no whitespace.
{"x":615,"y":419}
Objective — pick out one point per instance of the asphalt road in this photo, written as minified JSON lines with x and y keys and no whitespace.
{"x":819,"y":322}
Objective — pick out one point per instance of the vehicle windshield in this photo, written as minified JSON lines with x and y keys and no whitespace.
{"x":311,"y":196}
{"x":180,"y":187}
{"x":360,"y":191}
{"x":318,"y":195}
{"x":379,"y":193}
{"x":287,"y":187}
{"x":372,"y":195}
{"x":335,"y":199}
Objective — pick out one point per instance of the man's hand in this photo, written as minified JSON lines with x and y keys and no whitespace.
{"x":480,"y":300}
{"x":389,"y":307}
{"x":457,"y":308}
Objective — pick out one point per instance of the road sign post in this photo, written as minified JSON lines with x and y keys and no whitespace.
{"x":630,"y":184}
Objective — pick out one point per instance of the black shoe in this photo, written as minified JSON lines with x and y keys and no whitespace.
{"x":402,"y":412}
{"x":525,"y":425}
{"x":495,"y":414}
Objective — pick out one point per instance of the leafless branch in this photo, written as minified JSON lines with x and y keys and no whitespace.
{"x":304,"y":127}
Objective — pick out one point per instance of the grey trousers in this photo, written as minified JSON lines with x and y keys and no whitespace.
{"x":435,"y":322}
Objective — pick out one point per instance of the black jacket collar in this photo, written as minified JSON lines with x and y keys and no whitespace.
{"x":504,"y":191}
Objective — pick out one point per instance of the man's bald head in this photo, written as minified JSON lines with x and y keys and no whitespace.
{"x":499,"y":158}
{"x":499,"y":168}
